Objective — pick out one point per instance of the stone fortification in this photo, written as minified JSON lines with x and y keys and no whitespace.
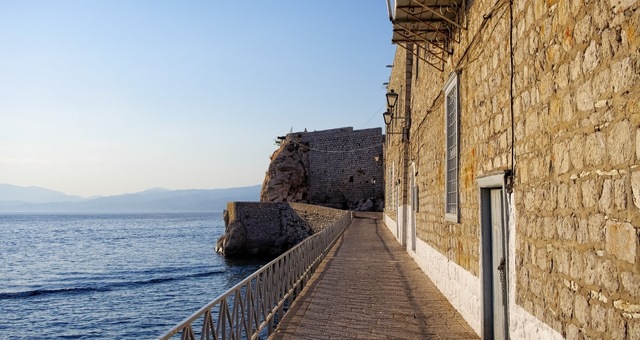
{"x":268,"y":229}
{"x":339,"y":168}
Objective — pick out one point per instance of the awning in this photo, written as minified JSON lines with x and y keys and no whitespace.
{"x":430,"y":25}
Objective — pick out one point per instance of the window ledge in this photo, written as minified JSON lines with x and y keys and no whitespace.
{"x":451,"y":218}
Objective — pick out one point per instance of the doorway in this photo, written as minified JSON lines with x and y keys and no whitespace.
{"x":414,"y":206}
{"x":494,"y":258}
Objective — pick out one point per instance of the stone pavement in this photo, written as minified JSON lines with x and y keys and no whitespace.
{"x":368,"y":287}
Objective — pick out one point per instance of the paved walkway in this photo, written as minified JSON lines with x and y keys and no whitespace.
{"x":368,"y":287}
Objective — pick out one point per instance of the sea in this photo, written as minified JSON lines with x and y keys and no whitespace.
{"x":109,"y":276}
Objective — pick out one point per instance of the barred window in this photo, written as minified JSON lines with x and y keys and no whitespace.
{"x":452,"y":105}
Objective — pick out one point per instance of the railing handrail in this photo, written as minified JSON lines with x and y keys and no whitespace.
{"x":261,"y":297}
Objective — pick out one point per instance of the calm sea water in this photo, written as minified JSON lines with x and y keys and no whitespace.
{"x":108,"y":276}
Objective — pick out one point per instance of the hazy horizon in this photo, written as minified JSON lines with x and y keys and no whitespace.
{"x":107,"y":97}
{"x":132,"y":192}
{"x":42,"y":200}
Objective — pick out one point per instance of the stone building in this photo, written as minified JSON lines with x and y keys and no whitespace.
{"x":511,"y":161}
{"x":339,"y":168}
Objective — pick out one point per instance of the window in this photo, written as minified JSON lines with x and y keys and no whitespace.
{"x":451,"y":113}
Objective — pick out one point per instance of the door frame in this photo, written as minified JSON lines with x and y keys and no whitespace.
{"x":485,"y":185}
{"x":394,"y":198}
{"x":413,"y":196}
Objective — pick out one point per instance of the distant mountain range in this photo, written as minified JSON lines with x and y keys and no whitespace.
{"x":40,"y":200}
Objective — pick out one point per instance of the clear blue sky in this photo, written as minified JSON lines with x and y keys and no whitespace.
{"x":103,"y":97}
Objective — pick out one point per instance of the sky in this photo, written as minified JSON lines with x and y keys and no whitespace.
{"x":104,"y":97}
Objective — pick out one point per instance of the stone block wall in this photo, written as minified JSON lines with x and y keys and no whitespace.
{"x":575,"y":134}
{"x":267,"y":230}
{"x":576,"y":115}
{"x":342,"y":165}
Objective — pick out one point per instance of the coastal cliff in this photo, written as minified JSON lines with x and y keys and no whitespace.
{"x":286,"y":179}
{"x":313,"y":180}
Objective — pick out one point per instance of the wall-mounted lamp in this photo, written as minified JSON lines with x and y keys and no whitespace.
{"x":376,"y":158}
{"x":387,"y":117}
{"x":392,"y":99}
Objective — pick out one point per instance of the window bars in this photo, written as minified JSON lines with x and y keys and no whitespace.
{"x":452,"y":108}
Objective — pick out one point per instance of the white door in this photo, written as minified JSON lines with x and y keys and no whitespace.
{"x":414,"y":208}
{"x":398,"y":211}
{"x":498,"y":260}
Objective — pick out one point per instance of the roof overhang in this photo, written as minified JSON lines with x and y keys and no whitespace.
{"x":430,"y":25}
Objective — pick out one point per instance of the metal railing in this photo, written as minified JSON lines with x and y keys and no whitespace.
{"x":252,"y":308}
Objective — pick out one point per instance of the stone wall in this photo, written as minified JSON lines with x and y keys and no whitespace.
{"x":575,"y":136}
{"x":269,"y":229}
{"x":577,"y":114}
{"x":340,"y":168}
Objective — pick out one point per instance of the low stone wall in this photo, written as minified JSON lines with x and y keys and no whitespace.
{"x":269,"y":229}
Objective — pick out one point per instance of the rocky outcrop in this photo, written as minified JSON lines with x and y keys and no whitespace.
{"x":269,"y":229}
{"x":286,"y":179}
{"x":338,"y":168}
{"x":369,"y":204}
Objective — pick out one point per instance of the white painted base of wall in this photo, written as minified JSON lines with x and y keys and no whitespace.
{"x":461,"y":288}
{"x":527,"y":327}
{"x":396,"y":227}
{"x":464,"y":290}
{"x":391,"y":225}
